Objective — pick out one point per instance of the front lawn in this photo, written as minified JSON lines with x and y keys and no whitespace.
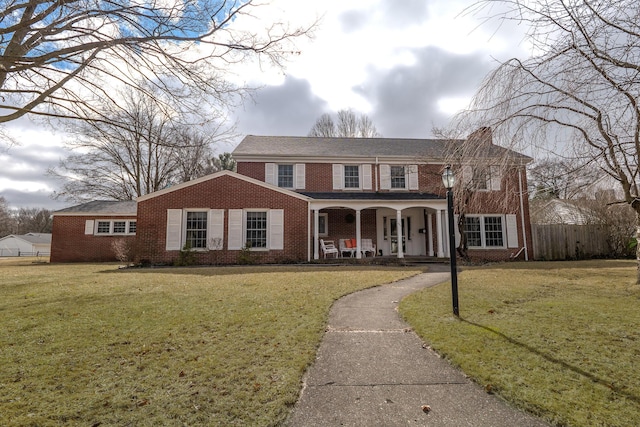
{"x":561,"y":340}
{"x":93,"y":345}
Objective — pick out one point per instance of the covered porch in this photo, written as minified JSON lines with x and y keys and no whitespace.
{"x":398,"y":225}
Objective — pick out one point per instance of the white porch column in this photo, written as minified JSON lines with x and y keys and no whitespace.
{"x":429,"y":230}
{"x":316,"y":254}
{"x":399,"y":233}
{"x":440,"y":232}
{"x":358,"y":237}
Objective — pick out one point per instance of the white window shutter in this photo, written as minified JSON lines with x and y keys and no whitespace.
{"x":271,"y":173}
{"x":456,"y":218}
{"x":299,"y":176}
{"x":512,"y":231}
{"x":496,"y":178}
{"x":88,"y":226}
{"x":413,"y":177}
{"x":338,"y":177}
{"x":215,"y":232}
{"x":235,"y":230}
{"x":385,"y":177}
{"x":276,"y":229}
{"x":366,"y":177}
{"x":174,"y":230}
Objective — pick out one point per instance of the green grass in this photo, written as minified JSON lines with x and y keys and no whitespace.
{"x":93,"y":345}
{"x":560,"y":340}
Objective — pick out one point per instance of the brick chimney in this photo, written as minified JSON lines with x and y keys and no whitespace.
{"x":482,"y":136}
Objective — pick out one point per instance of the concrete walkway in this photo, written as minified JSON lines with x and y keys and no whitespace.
{"x":372,"y":370}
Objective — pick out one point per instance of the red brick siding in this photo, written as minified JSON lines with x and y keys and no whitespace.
{"x":251,"y":169}
{"x":319,"y":176}
{"x":225,"y":192}
{"x":340,"y":228}
{"x":70,"y":244}
{"x":507,"y":201}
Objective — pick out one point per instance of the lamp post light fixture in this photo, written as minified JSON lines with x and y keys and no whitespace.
{"x":448,"y":179}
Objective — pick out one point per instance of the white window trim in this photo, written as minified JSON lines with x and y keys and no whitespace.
{"x":365,"y":176}
{"x":483,"y":237}
{"x":293,"y":175}
{"x":326,"y":224}
{"x":406,"y":178}
{"x":111,"y":221}
{"x":493,"y":177}
{"x":272,"y":174}
{"x":176,"y":236}
{"x":244,"y":229}
{"x":237,"y":237}
{"x":344,"y":177}
{"x":184,"y":228}
{"x":410,"y":177}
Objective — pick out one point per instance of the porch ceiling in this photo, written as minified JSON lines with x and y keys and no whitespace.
{"x":364,"y":200}
{"x":359,"y":195}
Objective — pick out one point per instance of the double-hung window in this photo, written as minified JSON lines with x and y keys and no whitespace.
{"x":484,"y":231}
{"x":289,"y":176}
{"x":285,"y":176}
{"x":106,"y":227}
{"x":119,"y":227}
{"x":351,"y":176}
{"x":398,"y":175}
{"x":256,"y":229}
{"x":481,"y":178}
{"x":196,"y":230}
{"x":199,"y":229}
{"x":323,"y":224}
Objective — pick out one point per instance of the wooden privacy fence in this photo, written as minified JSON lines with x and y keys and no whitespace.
{"x":563,"y":241}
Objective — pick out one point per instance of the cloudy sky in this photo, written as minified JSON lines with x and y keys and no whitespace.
{"x":409,"y":65}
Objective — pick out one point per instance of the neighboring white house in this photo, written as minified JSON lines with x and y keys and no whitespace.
{"x":30,"y":244}
{"x":557,"y":211}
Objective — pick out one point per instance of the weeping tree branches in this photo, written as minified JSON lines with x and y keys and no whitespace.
{"x":582,"y":85}
{"x":577,"y":94}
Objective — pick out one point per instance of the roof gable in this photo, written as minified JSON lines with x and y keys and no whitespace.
{"x":216,"y":175}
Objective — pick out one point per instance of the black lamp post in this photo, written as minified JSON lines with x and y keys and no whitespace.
{"x":448,"y":179}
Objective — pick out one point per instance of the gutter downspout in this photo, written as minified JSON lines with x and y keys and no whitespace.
{"x":310,"y":247}
{"x":524,"y":229}
{"x":375,"y":175}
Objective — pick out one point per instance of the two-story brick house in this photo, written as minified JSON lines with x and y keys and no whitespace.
{"x":291,"y":192}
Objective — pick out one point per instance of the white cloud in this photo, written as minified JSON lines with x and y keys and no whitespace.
{"x":410,"y":65}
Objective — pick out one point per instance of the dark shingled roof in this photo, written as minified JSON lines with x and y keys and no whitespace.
{"x":300,"y":146}
{"x":371,"y":196}
{"x":128,"y":207}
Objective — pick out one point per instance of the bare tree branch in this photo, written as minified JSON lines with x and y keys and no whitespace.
{"x":578,"y":94}
{"x":58,"y":57}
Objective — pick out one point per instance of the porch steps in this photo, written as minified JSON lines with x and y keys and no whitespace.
{"x":411,"y":261}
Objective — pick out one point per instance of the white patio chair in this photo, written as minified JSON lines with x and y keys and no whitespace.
{"x":328,"y":247}
{"x":368,"y":247}
{"x":342,"y":243}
